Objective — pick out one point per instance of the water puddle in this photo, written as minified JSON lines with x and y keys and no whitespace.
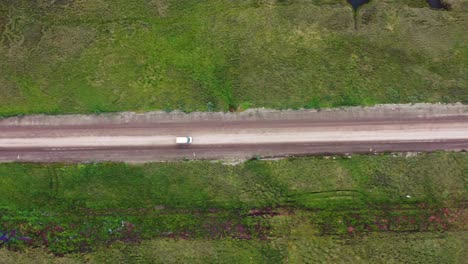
{"x":436,"y":4}
{"x":357,"y":3}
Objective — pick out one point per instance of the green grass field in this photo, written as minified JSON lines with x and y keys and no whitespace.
{"x":421,"y":248}
{"x":292,"y":210}
{"x":91,"y":56}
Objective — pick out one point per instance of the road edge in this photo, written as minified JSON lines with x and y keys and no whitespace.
{"x":388,"y":111}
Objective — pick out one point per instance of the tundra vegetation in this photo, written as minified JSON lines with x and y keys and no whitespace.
{"x":90,"y":56}
{"x":358,"y":209}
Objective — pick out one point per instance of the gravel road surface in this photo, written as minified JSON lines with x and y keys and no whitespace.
{"x":154,"y":140}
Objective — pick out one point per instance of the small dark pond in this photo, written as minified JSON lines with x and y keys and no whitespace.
{"x":357,"y":3}
{"x":432,"y":3}
{"x":436,"y":4}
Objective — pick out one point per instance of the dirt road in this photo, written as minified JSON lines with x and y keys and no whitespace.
{"x":230,"y":139}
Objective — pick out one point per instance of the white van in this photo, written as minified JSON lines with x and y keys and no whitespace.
{"x":184,"y":140}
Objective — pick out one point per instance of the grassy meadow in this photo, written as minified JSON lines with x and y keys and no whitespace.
{"x":421,"y":248}
{"x":363,"y":209}
{"x":91,"y":56}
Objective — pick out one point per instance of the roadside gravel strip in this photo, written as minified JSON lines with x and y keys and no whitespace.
{"x":379,"y":112}
{"x":147,"y":137}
